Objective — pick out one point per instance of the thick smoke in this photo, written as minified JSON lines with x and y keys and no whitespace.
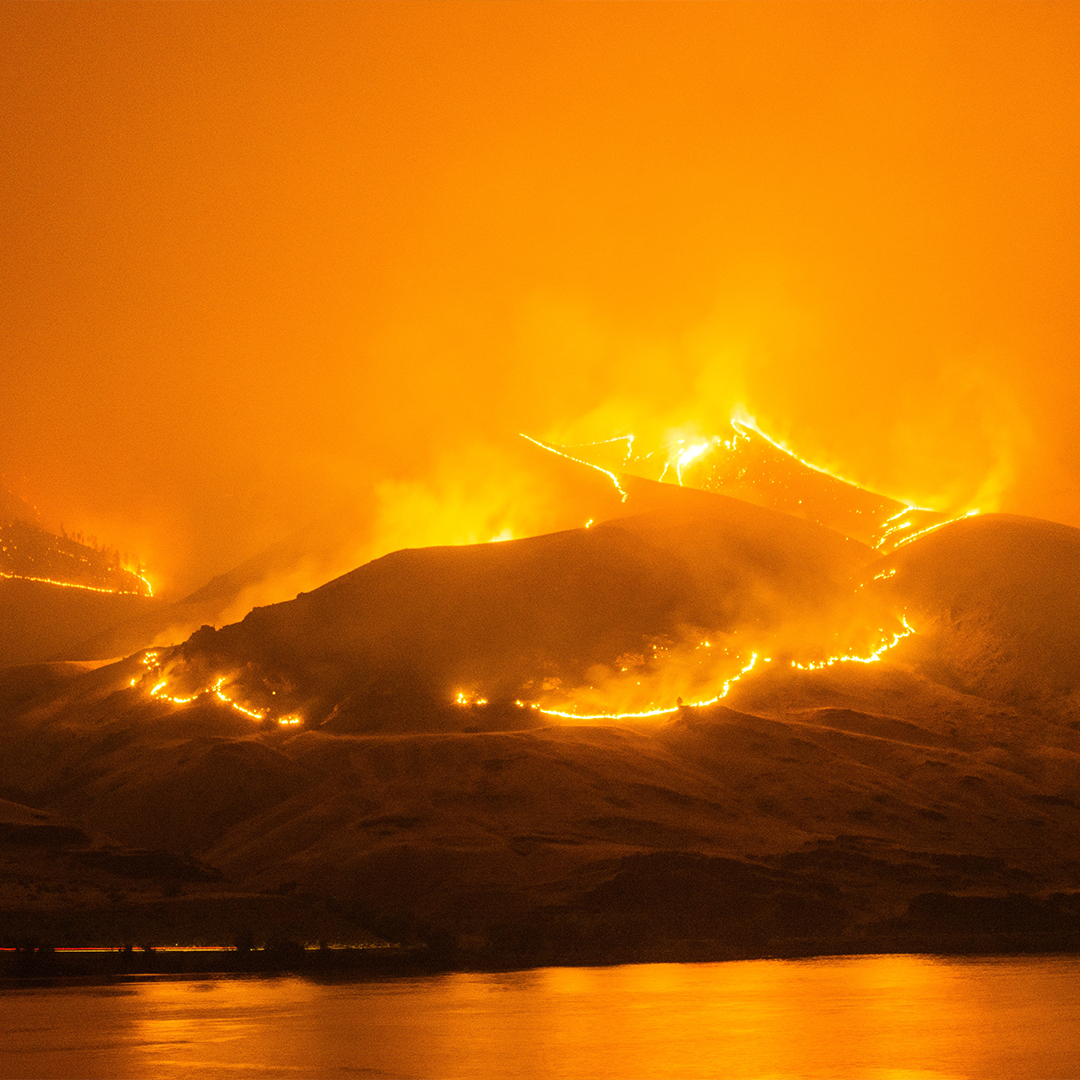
{"x":279,"y":264}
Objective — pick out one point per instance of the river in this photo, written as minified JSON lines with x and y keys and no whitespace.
{"x":867,"y":1017}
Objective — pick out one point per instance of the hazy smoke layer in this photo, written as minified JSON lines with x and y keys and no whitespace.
{"x":274,"y":264}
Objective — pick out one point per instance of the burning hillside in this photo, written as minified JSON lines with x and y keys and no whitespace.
{"x":746,"y":463}
{"x":30,"y":553}
{"x":659,"y":608}
{"x":57,"y":590}
{"x":703,"y":727}
{"x":606,"y":619}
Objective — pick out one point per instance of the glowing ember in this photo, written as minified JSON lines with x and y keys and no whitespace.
{"x":469,"y":699}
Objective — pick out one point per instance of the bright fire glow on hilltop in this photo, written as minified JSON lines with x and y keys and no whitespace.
{"x":752,"y":465}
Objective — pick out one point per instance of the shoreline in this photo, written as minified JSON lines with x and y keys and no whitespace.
{"x":18,"y":967}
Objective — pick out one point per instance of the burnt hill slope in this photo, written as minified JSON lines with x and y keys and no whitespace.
{"x":996,"y":599}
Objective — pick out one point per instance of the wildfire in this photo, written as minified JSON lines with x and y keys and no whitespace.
{"x":935,"y":527}
{"x":701,"y":684}
{"x":158,"y":692}
{"x":690,"y":454}
{"x":871,"y":659}
{"x":751,"y":464}
{"x":703,"y":702}
{"x":581,"y":461}
{"x":88,"y":588}
{"x":464,"y":698}
{"x":142,"y":578}
{"x":744,"y":422}
{"x":665,"y":710}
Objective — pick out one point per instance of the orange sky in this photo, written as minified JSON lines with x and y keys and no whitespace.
{"x":261,"y":260}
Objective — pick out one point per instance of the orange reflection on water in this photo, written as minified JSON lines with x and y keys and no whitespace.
{"x":869,"y":1017}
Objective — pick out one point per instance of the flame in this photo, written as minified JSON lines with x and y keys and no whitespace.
{"x":652,"y":712}
{"x":742,"y":422}
{"x":466,"y":698}
{"x":150,"y":660}
{"x":662,"y":710}
{"x":939,"y":525}
{"x":882,"y":527}
{"x":581,"y":461}
{"x":143,"y":579}
{"x":873,"y":658}
{"x":88,"y":588}
{"x":691,"y":453}
{"x":702,"y":685}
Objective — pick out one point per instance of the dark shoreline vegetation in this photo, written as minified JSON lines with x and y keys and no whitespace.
{"x":666,"y":907}
{"x":35,"y":963}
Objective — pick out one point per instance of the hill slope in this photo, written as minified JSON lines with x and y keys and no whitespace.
{"x":928,"y":800}
{"x":410,"y":630}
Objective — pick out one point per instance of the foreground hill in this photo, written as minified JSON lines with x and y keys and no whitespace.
{"x":929,"y":800}
{"x":392,"y":643}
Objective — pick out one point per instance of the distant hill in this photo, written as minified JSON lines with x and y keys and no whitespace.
{"x":31,"y":553}
{"x":12,"y":508}
{"x":55,"y":591}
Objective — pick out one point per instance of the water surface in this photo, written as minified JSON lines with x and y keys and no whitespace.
{"x":867,"y":1017}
